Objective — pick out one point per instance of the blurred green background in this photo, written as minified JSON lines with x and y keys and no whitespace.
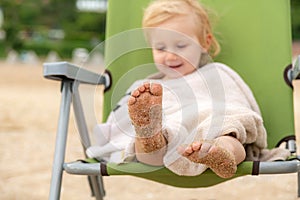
{"x":63,"y":25}
{"x":51,"y":25}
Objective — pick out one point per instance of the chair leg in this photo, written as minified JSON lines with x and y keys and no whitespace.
{"x":296,"y":98}
{"x":298,"y":184}
{"x":96,"y":182}
{"x":61,"y":137}
{"x":96,"y":185}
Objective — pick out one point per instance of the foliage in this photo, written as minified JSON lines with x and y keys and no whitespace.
{"x":12,"y":40}
{"x":64,"y":48}
{"x":295,"y":14}
{"x":27,"y":24}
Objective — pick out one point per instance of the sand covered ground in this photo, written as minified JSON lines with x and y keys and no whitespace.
{"x":29,"y":106}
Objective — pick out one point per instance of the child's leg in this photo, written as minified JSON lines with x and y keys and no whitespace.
{"x":222,"y":155}
{"x":145,"y":111}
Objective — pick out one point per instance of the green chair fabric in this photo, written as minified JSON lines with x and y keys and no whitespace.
{"x":165,"y":176}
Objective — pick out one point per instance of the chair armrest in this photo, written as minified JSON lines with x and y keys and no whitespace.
{"x":296,"y":69}
{"x":292,"y":72}
{"x":67,"y":71}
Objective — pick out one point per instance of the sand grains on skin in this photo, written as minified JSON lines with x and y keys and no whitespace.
{"x":145,"y":111}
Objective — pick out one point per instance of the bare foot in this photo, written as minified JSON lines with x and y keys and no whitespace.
{"x":145,"y":111}
{"x":217,"y":158}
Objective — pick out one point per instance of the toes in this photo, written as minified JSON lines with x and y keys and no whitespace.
{"x":142,"y":89}
{"x":188,"y":151}
{"x":131,"y":100}
{"x":180,"y":150}
{"x":156,"y":89}
{"x":147,"y":85}
{"x":135,"y":93}
{"x":196,"y":146}
{"x":205,"y":147}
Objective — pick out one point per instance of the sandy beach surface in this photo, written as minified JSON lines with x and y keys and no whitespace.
{"x":29,"y":108}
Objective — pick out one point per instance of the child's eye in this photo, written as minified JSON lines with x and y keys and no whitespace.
{"x":181,"y":46}
{"x":160,"y":47}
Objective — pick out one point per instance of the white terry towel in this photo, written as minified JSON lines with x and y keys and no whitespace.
{"x":211,"y":102}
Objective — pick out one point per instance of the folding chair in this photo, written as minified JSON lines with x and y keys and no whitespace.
{"x":256,"y":42}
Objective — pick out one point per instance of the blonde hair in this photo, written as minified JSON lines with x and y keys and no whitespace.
{"x":160,"y":11}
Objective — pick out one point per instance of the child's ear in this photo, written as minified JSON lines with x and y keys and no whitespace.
{"x":208,"y":40}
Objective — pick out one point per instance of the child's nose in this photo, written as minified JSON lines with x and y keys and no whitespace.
{"x":171,"y":56}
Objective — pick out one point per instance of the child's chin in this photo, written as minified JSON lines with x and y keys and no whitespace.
{"x":171,"y":73}
{"x":174,"y":75}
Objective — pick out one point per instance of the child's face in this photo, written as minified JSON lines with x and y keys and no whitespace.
{"x":175,"y":46}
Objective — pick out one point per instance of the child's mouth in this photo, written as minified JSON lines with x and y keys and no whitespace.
{"x":175,"y":66}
